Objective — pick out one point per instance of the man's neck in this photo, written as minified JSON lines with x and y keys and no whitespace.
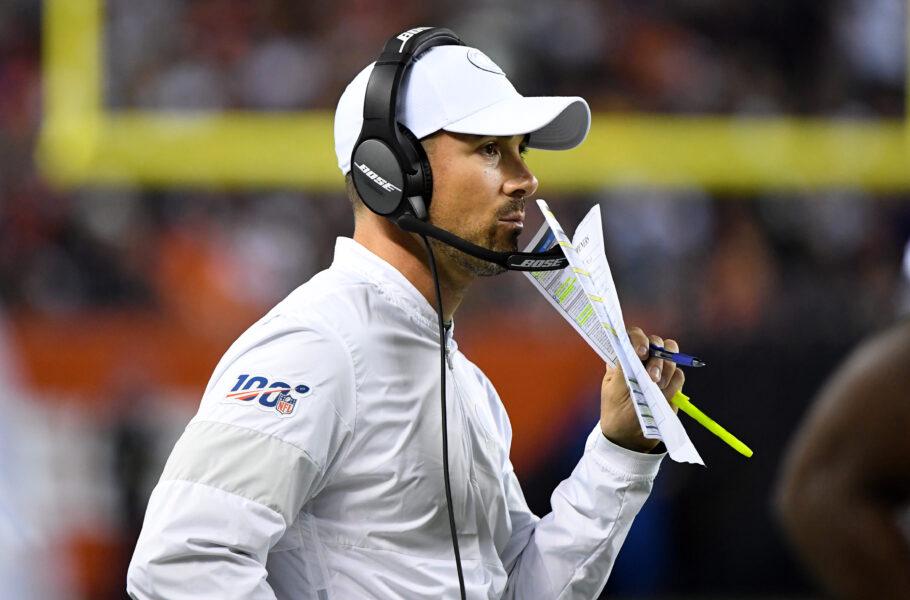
{"x":409,"y":256}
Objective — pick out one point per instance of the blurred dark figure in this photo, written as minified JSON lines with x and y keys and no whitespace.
{"x":844,"y":493}
{"x":132,"y":440}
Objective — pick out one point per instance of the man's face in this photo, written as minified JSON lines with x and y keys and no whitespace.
{"x":480,"y":184}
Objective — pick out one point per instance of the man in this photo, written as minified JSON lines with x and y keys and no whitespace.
{"x":333,"y":488}
{"x":844,"y":494}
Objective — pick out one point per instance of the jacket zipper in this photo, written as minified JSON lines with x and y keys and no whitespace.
{"x":448,"y":355}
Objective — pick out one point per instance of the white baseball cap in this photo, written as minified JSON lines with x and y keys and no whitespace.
{"x":459,"y":89}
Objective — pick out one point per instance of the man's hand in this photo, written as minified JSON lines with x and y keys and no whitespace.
{"x":617,"y":415}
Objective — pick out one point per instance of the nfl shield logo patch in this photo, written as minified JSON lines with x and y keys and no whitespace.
{"x":286,"y":404}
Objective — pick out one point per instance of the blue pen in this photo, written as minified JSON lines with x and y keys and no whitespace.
{"x":679,"y":358}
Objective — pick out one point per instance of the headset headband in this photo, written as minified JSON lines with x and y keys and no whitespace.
{"x":381,"y":102}
{"x":389,"y":167}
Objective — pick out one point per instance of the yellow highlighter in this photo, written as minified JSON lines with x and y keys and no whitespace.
{"x":682,"y":401}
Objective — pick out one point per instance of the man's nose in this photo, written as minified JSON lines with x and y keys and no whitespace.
{"x":521,"y":185}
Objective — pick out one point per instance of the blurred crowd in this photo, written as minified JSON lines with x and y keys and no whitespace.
{"x":823,"y":267}
{"x":71,"y":251}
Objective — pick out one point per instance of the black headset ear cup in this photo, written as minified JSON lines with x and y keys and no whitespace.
{"x":378,"y":177}
{"x":418,"y":157}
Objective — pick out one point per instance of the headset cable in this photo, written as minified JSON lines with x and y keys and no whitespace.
{"x":445,"y":436}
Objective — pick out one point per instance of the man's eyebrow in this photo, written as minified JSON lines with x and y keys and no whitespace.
{"x":522,"y":146}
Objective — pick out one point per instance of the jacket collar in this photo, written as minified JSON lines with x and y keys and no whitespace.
{"x":351,"y":256}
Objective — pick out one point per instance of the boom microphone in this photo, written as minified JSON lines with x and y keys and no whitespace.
{"x":551,"y":260}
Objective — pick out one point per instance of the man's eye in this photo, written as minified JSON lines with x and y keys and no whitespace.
{"x":491,"y":149}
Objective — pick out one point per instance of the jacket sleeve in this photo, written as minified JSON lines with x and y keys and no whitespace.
{"x":276,"y":418}
{"x":569,"y":553}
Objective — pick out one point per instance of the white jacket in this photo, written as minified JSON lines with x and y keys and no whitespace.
{"x":313,"y":468}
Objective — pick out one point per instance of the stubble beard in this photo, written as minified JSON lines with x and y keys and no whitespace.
{"x":486,"y":239}
{"x":473,"y":265}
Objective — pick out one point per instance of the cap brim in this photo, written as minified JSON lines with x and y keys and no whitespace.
{"x":554,"y":122}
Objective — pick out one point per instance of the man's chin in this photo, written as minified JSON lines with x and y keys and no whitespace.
{"x":473,"y":265}
{"x":510,"y":244}
{"x":483,"y":268}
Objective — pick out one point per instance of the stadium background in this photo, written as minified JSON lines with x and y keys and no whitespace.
{"x":167,"y":174}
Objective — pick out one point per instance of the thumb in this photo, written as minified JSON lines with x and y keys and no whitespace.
{"x":614,"y":376}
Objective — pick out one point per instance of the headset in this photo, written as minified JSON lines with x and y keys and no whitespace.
{"x":392,"y":175}
{"x":390,"y":169}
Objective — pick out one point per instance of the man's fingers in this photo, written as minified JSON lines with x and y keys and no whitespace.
{"x":669,"y":366}
{"x":655,"y":365}
{"x":639,"y":342}
{"x":674,"y":385}
{"x":659,"y":370}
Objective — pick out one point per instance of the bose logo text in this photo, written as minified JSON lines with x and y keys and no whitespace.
{"x":546,"y":262}
{"x":404,"y":37}
{"x":377,"y":179}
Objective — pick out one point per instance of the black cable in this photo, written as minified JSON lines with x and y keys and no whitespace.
{"x":445,"y":433}
{"x":550,"y":260}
